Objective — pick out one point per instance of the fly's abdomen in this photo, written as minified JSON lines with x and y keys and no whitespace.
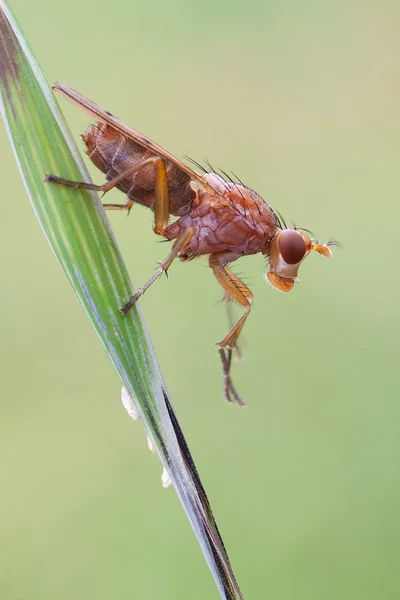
{"x":113,"y":153}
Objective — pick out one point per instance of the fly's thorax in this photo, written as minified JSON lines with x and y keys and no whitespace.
{"x":229,"y":217}
{"x":218,"y":183}
{"x":286,"y":251}
{"x":218,"y":191}
{"x":228,"y":189}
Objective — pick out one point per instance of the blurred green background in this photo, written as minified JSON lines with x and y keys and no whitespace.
{"x":300,"y":99}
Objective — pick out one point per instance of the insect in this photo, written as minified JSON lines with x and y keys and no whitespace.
{"x":216,"y":216}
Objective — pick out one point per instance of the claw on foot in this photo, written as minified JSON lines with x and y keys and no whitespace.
{"x":127,"y":307}
{"x":229,"y":391}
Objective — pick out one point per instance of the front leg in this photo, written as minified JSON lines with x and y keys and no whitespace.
{"x":228,"y":301}
{"x":238,"y":291}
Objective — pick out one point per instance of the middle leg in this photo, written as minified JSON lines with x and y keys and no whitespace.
{"x":181,"y":241}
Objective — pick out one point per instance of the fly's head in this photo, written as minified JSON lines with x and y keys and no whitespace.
{"x":286,"y":251}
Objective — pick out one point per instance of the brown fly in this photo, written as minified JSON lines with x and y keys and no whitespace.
{"x":216,"y":216}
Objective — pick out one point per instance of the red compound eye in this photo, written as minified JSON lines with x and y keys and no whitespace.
{"x":292,"y":246}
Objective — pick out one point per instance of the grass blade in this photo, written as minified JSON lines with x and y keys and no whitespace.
{"x":80,"y":236}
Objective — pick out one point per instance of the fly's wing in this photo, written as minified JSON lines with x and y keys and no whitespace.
{"x":104,"y":116}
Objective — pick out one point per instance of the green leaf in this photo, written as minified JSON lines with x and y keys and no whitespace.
{"x":79,"y":234}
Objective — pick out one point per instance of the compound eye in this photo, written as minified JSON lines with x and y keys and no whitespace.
{"x":292,"y":246}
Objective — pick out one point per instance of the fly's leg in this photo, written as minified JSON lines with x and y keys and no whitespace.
{"x":228,"y":387}
{"x":161,"y":212}
{"x":181,"y":241}
{"x":161,"y":189}
{"x":227,"y":300}
{"x":239,"y":292}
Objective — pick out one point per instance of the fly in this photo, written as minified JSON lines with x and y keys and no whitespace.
{"x":216,"y":216}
